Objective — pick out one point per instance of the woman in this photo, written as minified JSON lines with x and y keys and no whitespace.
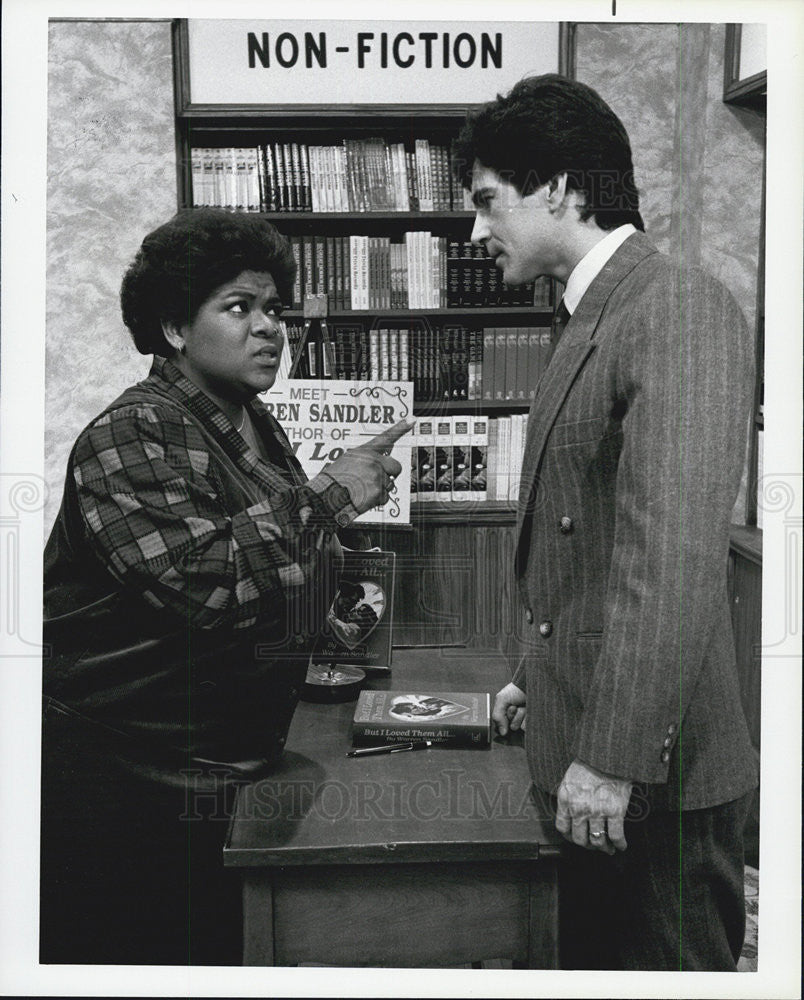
{"x":189,"y":568}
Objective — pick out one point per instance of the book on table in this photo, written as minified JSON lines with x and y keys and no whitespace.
{"x":457,"y":718}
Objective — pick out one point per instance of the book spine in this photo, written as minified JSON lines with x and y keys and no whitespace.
{"x":371,"y":734}
{"x":374,"y":355}
{"x":393,"y":352}
{"x":443,"y":455}
{"x":425,"y":459}
{"x":520,"y":386}
{"x":384,"y":359}
{"x":196,"y":177}
{"x":353,"y":257}
{"x":461,"y":471}
{"x":296,"y":249}
{"x":493,"y":461}
{"x":346,"y":271}
{"x":404,"y":355}
{"x":478,"y":444}
{"x":423,"y":175}
{"x":329,"y":248}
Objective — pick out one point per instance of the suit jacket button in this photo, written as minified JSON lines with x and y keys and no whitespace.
{"x":671,"y":728}
{"x":528,"y":616}
{"x":565,"y":525}
{"x":546,"y":629}
{"x":668,"y":742}
{"x":665,"y":756}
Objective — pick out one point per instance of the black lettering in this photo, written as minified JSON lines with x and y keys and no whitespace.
{"x":384,"y":50}
{"x":428,"y":37}
{"x":363,"y":38}
{"x":462,"y":61}
{"x":318,"y":51}
{"x":491,"y":51}
{"x":445,"y":43}
{"x":262,"y":52}
{"x":294,"y":49}
{"x":403,"y":63}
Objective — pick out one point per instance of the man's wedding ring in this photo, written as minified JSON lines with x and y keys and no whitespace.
{"x":596,"y":833}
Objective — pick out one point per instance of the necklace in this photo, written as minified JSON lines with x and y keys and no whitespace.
{"x":243,"y":421}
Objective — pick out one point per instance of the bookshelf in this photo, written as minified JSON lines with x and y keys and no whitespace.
{"x":455,"y":583}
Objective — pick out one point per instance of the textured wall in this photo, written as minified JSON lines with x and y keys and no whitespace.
{"x":111,"y":179}
{"x":697,"y":161}
{"x":111,"y":166}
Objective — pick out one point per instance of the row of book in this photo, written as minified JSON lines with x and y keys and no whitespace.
{"x":420,"y":272}
{"x":358,"y":175}
{"x":444,"y":362}
{"x":459,"y":458}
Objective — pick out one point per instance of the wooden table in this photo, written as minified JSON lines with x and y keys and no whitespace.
{"x":438,"y":857}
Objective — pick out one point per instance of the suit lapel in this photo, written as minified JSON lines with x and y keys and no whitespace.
{"x":574,"y":347}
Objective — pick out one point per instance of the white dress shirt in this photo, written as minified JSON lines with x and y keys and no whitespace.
{"x":591,"y":264}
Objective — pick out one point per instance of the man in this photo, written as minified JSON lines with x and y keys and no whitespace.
{"x":633,"y":459}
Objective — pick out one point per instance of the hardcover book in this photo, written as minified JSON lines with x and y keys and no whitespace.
{"x":359,"y":624}
{"x":454,"y":717}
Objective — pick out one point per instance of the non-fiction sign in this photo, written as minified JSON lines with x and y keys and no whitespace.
{"x":323,"y":419}
{"x":280,"y":62}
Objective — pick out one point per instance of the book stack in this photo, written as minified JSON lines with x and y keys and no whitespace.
{"x":467,"y":458}
{"x":373,"y":272}
{"x":474,"y":281}
{"x":444,"y":362}
{"x":357,"y":175}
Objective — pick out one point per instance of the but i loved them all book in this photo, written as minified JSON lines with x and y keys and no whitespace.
{"x":452,"y":718}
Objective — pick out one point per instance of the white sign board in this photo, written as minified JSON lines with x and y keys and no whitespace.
{"x":323,"y":419}
{"x":363,"y":62}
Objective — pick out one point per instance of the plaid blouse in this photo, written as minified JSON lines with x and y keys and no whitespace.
{"x":160,"y":479}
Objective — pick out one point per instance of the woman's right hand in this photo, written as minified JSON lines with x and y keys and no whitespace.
{"x":368,"y":470}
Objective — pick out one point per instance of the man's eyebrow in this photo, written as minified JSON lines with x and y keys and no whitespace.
{"x":480,"y":195}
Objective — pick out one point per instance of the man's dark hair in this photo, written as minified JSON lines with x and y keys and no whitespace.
{"x":181,"y":264}
{"x":548,"y":125}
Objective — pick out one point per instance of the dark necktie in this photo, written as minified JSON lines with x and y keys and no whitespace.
{"x":560,"y":319}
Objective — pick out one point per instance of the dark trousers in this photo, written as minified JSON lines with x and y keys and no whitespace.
{"x":132,"y":869}
{"x":673,"y":901}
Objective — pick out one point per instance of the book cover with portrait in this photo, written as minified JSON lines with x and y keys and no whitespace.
{"x":458,"y":718}
{"x":359,"y":624}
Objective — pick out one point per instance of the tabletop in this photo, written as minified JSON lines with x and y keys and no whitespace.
{"x":441,"y":804}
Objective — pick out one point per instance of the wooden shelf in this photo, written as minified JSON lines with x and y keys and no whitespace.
{"x":422,"y":408}
{"x":451,"y":215}
{"x":532,"y":312}
{"x":469,"y":513}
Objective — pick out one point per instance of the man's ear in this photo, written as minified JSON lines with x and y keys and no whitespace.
{"x":173,"y":335}
{"x":556,"y":191}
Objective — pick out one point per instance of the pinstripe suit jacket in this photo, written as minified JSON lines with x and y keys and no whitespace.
{"x":636,"y":439}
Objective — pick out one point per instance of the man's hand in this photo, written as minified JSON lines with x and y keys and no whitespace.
{"x":368,"y":471}
{"x":509,"y":709}
{"x":592,"y":807}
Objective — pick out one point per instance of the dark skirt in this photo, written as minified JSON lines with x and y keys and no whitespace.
{"x":132,"y":867}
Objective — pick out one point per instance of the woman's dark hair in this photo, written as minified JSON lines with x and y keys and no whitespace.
{"x":548,"y":125}
{"x":181,"y":264}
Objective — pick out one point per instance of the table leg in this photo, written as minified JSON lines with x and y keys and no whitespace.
{"x":258,"y":919}
{"x":543,"y":916}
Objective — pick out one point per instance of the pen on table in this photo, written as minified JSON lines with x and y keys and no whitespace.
{"x":390,"y":748}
